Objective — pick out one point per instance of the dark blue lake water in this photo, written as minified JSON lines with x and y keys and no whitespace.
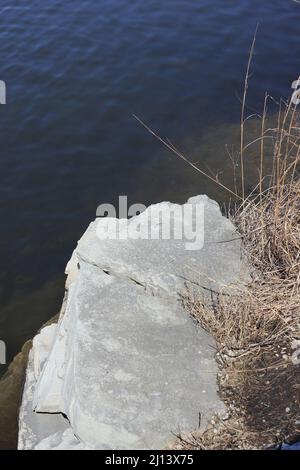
{"x":75,"y":73}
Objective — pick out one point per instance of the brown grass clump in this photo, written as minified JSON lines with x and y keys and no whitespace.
{"x":255,"y":330}
{"x":257,"y":327}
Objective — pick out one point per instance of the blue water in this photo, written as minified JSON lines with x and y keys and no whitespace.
{"x":75,"y":72}
{"x":295,"y":446}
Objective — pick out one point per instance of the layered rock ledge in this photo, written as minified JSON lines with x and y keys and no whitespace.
{"x":126,"y":367}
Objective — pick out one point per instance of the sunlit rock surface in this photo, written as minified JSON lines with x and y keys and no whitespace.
{"x":126,"y":367}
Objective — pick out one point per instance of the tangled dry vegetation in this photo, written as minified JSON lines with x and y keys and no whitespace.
{"x":257,"y":327}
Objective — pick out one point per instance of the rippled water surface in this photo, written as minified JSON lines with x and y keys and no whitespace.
{"x":75,"y":72}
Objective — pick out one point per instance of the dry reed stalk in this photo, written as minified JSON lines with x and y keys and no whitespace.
{"x":256,"y":326}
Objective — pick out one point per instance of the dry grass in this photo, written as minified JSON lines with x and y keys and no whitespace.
{"x":257,"y":327}
{"x":255,"y":330}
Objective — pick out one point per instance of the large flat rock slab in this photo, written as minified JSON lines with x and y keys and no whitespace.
{"x":127,"y":365}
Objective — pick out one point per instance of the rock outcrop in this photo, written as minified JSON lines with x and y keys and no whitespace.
{"x":126,"y":367}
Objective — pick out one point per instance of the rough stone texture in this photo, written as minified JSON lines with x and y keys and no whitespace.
{"x":127,"y":365}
